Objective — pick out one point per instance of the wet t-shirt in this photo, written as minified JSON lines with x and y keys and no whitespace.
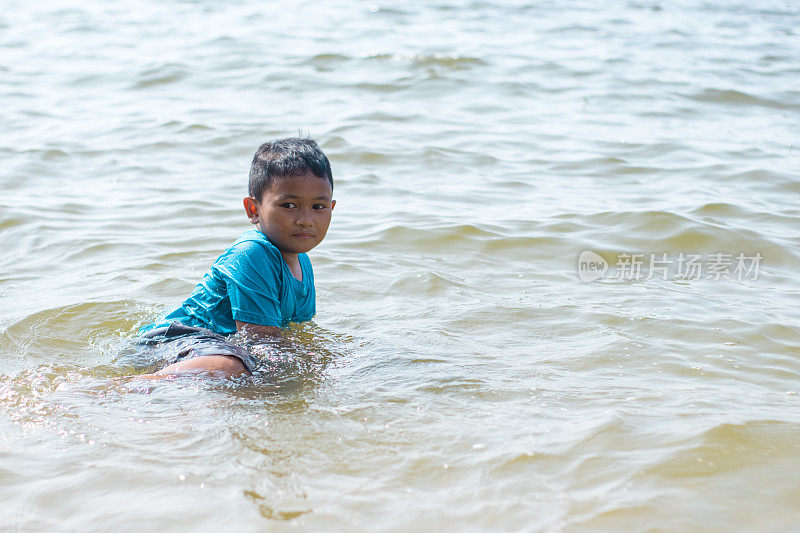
{"x":249,"y":282}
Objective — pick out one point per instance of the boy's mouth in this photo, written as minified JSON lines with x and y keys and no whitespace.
{"x":304,"y":235}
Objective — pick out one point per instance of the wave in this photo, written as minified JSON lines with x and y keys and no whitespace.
{"x":739,"y":98}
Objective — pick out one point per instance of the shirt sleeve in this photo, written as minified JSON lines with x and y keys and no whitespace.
{"x":253,"y":279}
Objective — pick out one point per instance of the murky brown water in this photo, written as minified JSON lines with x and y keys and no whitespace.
{"x":459,"y":375}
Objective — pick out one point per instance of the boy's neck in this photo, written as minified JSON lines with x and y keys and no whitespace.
{"x":293,"y":263}
{"x":289,"y":258}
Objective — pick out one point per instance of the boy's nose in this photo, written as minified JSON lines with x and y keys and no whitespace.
{"x":305,"y":219}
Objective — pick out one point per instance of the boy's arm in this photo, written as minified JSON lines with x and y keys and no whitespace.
{"x":257,"y":331}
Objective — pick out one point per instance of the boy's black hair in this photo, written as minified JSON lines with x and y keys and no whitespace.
{"x":284,"y":158}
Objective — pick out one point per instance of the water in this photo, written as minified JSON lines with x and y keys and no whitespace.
{"x":458,"y":374}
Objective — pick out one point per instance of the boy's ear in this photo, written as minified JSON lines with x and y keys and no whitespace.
{"x":251,"y":208}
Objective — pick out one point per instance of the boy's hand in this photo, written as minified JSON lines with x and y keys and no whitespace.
{"x":256,"y":331}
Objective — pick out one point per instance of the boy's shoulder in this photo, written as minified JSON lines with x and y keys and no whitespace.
{"x":254,"y":250}
{"x":252,"y":247}
{"x":253,"y":240}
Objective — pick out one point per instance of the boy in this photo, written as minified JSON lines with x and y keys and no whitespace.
{"x":264,"y":280}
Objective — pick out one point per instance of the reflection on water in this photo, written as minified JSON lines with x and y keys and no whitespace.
{"x":457,"y":365}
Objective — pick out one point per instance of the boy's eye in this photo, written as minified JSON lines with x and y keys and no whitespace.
{"x":320,"y":206}
{"x":288,"y":205}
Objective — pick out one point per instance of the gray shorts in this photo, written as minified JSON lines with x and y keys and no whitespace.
{"x":179,"y":341}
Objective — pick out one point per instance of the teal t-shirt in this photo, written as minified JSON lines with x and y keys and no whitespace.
{"x":249,"y":282}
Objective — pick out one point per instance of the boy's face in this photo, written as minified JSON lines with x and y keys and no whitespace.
{"x":294,"y":212}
